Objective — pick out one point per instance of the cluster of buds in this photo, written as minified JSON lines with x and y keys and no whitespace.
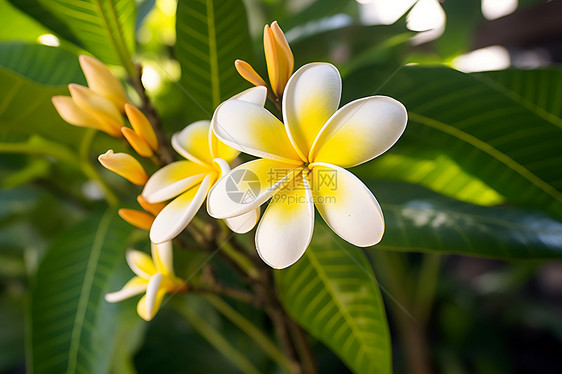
{"x":101,"y":106}
{"x":279,"y":60}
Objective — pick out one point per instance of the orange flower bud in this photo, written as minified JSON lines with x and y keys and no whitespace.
{"x":125,"y":165}
{"x":137,"y":218}
{"x":102,"y":81}
{"x":137,"y":142}
{"x":142,"y":126}
{"x":247,"y":72}
{"x":152,"y":208}
{"x":278,"y":56}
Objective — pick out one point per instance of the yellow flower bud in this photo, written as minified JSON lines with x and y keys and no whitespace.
{"x":142,"y":126}
{"x":102,"y":81}
{"x":278,"y":56}
{"x":125,"y":165}
{"x":137,"y":142}
{"x":137,"y":218}
{"x":97,"y":106}
{"x":152,"y":208}
{"x":247,"y":72}
{"x":73,"y":114}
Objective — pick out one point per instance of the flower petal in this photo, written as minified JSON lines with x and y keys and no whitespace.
{"x":98,"y":105}
{"x":135,"y":286}
{"x":246,"y":187}
{"x":172,"y":180}
{"x":193,"y":142}
{"x":256,"y":95}
{"x":125,"y":165}
{"x":73,"y":114}
{"x":311,"y":97}
{"x":286,"y":228}
{"x":252,"y":129}
{"x":347,"y":205}
{"x":102,"y":81}
{"x":243,"y":223}
{"x":140,"y":263}
{"x":177,"y":214}
{"x":360,"y":131}
{"x":150,"y":303}
{"x":163,"y":257}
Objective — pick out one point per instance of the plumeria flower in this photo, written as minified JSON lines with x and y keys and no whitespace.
{"x":303,"y":162}
{"x":187,"y":182}
{"x":155,"y":276}
{"x":279,"y":59}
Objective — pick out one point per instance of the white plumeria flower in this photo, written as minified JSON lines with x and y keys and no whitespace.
{"x":155,"y":276}
{"x":303,"y":162}
{"x":189,"y":181}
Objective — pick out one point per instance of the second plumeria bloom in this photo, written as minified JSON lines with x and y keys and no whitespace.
{"x":154,"y":276}
{"x":187,"y":182}
{"x":303,"y":163}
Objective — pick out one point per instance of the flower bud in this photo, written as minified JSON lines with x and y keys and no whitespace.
{"x":278,"y":56}
{"x":142,"y":126}
{"x":102,"y":81}
{"x":137,"y":142}
{"x":125,"y":165}
{"x":137,"y":218}
{"x":73,"y":114}
{"x":247,"y":72}
{"x":152,"y":208}
{"x":97,"y":106}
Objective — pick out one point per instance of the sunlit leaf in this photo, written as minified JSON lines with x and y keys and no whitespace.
{"x":511,"y":147}
{"x":71,"y":325}
{"x":332,"y":292}
{"x":105,"y":27}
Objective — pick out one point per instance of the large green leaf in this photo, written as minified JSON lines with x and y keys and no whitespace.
{"x":417,"y":219}
{"x":105,"y":27}
{"x":71,"y":325}
{"x":511,"y":147}
{"x":31,"y":74}
{"x":211,"y":35}
{"x":332,"y":292}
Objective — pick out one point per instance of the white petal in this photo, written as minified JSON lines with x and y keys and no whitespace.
{"x":256,"y":95}
{"x":140,"y":263}
{"x":163,"y":257}
{"x":246,"y":187}
{"x":147,"y":307}
{"x":193,"y":142}
{"x":178,"y":213}
{"x":286,"y":227}
{"x":243,"y":223}
{"x":360,"y":131}
{"x":311,"y":96}
{"x":251,"y":129}
{"x":347,"y":205}
{"x":135,"y":286}
{"x":172,"y":180}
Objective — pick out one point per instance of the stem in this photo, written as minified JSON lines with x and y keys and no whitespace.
{"x":57,"y":152}
{"x":392,"y":271}
{"x":251,"y":330}
{"x":90,"y":171}
{"x":219,"y":289}
{"x":427,"y":283}
{"x":303,"y":348}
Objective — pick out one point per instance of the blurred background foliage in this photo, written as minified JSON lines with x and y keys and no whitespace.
{"x":468,"y":267}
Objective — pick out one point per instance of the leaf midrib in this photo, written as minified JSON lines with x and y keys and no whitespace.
{"x":89,"y":276}
{"x":213,"y":54}
{"x":325,"y":279}
{"x":490,"y":150}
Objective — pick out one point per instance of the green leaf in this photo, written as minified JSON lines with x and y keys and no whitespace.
{"x":49,"y":66}
{"x":417,"y":219}
{"x":38,"y":12}
{"x":71,"y":325}
{"x":332,"y":292}
{"x":31,"y":74}
{"x":511,"y":147}
{"x":105,"y":27}
{"x":211,"y":35}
